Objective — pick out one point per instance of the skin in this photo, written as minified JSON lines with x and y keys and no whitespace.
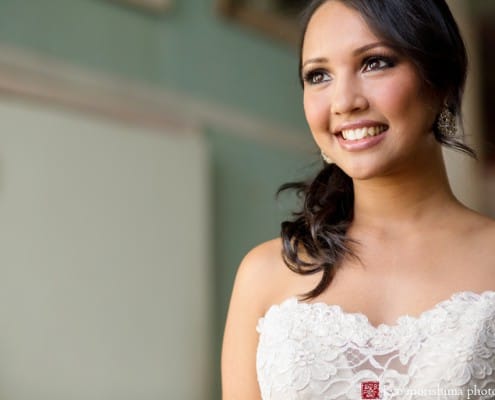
{"x":376,"y":85}
{"x":403,"y":201}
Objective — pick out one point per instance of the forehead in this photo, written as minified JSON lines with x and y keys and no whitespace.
{"x":335,"y":28}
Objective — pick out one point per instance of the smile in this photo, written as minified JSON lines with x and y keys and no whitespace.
{"x":361,"y":133}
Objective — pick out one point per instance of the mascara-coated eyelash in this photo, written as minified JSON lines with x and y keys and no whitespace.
{"x":381,"y":62}
{"x":314,"y":77}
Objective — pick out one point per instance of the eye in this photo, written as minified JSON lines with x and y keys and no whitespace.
{"x":315,"y":77}
{"x":377,"y":63}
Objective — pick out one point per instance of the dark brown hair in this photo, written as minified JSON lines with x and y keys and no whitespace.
{"x":425,"y":32}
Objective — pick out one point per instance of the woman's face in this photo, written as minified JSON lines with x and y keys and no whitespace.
{"x":366,"y":105}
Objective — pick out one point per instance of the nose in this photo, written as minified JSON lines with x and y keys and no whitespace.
{"x":347,"y":96}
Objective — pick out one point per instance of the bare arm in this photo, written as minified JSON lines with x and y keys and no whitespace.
{"x":239,"y":381}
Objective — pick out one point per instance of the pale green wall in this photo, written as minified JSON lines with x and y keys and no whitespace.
{"x":95,"y":253}
{"x":191,"y":50}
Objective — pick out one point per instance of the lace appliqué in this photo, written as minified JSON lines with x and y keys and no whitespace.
{"x":318,"y":351}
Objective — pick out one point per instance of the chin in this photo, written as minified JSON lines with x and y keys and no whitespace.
{"x":362,"y":176}
{"x":368,"y":167}
{"x":362,"y":172}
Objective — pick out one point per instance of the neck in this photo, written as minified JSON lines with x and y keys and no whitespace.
{"x":404,"y":199}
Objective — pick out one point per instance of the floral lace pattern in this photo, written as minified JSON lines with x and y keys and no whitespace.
{"x":318,"y":351}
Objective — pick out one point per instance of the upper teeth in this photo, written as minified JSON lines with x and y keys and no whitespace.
{"x":356,"y":134}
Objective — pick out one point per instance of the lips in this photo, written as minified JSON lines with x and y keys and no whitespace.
{"x":362,"y":132}
{"x":361,"y":136}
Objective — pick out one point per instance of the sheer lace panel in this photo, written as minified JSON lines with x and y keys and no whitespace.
{"x":318,"y":351}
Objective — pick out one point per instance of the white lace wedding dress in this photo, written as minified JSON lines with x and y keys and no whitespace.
{"x":318,"y":351}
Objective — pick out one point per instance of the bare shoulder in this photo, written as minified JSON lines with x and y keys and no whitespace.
{"x":487,"y":238}
{"x":479,"y":236}
{"x":260,"y":274}
{"x":481,"y":228}
{"x":263,"y":272}
{"x":264,"y":255}
{"x":488,"y":229}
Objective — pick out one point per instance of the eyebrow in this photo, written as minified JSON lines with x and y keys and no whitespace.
{"x":356,"y":52}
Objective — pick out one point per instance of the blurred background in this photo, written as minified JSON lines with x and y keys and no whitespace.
{"x":141,"y":145}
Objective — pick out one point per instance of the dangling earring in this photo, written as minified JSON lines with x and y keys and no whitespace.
{"x":327,"y":159}
{"x":446,"y":122}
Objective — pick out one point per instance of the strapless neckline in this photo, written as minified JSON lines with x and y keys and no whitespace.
{"x":363,"y":319}
{"x":317,"y":350}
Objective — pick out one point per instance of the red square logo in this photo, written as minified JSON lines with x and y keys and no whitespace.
{"x":370,"y":390}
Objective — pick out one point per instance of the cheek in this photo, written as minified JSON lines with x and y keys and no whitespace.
{"x":317,"y":113}
{"x":394,"y":99}
{"x":399,"y":99}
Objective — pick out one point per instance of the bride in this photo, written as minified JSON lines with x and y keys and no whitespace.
{"x":383,"y":283}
